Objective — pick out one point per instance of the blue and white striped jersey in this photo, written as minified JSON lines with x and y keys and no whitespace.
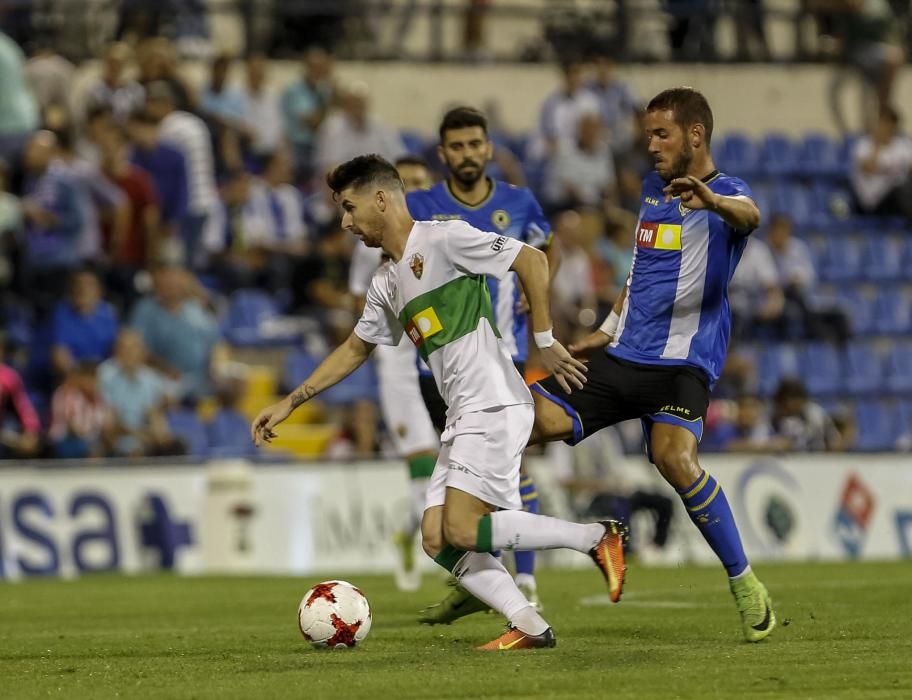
{"x":676,"y":311}
{"x":507,"y":211}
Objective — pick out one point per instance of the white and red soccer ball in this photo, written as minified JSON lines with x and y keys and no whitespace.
{"x":334,"y":614}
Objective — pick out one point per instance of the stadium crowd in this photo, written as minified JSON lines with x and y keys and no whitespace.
{"x":154,"y":234}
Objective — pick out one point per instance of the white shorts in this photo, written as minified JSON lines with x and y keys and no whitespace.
{"x":403,"y":410}
{"x":480,"y":454}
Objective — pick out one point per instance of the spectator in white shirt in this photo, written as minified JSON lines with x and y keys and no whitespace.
{"x":582,"y":171}
{"x":354,"y":131}
{"x":261,"y":109}
{"x":618,"y":105}
{"x":881,"y":163}
{"x":189,"y":134}
{"x":561,"y":111}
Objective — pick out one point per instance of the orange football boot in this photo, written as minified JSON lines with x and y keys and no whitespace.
{"x":608,"y":556}
{"x":514,"y":639}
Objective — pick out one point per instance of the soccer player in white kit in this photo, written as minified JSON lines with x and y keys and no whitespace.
{"x":435,"y":292}
{"x":407,"y":421}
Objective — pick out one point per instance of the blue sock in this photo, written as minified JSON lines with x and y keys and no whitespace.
{"x":708,"y":508}
{"x":525,"y":561}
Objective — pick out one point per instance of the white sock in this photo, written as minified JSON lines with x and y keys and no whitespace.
{"x":419,"y":497}
{"x":747,"y":570}
{"x":487,"y":579}
{"x":526,"y":580}
{"x":516,"y":529}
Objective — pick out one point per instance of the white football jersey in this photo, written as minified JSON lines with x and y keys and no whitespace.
{"x":438,"y":295}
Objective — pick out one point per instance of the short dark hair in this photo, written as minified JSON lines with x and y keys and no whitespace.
{"x":689,"y":106}
{"x":361,"y":171}
{"x":462,"y":118}
{"x":790,"y":388}
{"x":417,"y":161}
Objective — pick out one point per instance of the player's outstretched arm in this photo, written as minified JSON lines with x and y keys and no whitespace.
{"x":738,"y":212}
{"x":531,"y":266}
{"x":341,"y":362}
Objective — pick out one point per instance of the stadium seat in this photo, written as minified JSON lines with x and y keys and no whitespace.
{"x":831,"y":207}
{"x":906,"y":266}
{"x":892,"y":311}
{"x":18,"y":321}
{"x":778,"y":156}
{"x":840,"y":258}
{"x":228,"y":435}
{"x":187,"y":426}
{"x":881,"y":259}
{"x":361,"y":384}
{"x":774,"y":363}
{"x":793,"y":199}
{"x":299,"y":364}
{"x":414,"y":141}
{"x":904,"y":412}
{"x":898,"y":368}
{"x":863,"y":369}
{"x":737,"y":154}
{"x":763,"y":199}
{"x":858,"y":304}
{"x":878,"y":426}
{"x":819,"y":156}
{"x":846,"y":148}
{"x":252,"y":320}
{"x":821,"y":369}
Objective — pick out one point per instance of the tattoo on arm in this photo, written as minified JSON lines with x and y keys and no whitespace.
{"x":303,"y":393}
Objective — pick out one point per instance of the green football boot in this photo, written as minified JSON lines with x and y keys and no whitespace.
{"x":755,"y":607}
{"x":458,"y":603}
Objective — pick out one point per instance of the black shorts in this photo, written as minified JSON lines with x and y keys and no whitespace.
{"x":434,"y":402}
{"x":617,"y":390}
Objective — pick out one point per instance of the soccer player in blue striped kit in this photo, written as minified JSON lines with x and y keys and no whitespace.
{"x":660,"y":351}
{"x":667,"y":335}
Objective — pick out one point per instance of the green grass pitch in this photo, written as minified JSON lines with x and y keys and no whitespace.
{"x":844,"y":632}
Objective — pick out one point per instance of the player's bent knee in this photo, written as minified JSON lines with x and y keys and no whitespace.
{"x":677,"y":466}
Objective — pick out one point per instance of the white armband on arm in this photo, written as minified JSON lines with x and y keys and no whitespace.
{"x":544,"y":339}
{"x":609,"y":325}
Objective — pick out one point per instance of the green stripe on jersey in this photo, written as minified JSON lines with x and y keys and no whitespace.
{"x":447,"y":313}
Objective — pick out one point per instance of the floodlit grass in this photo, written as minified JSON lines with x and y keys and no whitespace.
{"x":844,"y":631}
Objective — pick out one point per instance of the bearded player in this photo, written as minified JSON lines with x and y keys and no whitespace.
{"x":434,"y":291}
{"x":469,"y":194}
{"x":668,"y":333}
{"x":407,"y":421}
